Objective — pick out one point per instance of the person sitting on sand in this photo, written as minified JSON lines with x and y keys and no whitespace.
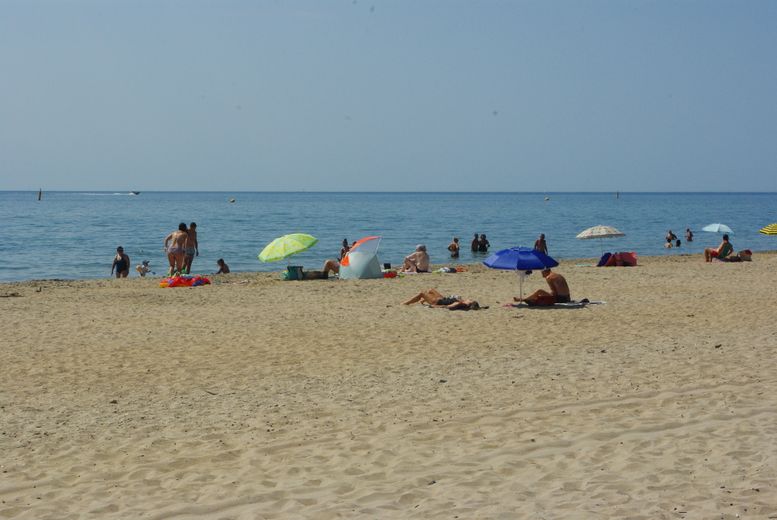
{"x":559,"y":291}
{"x":417,"y":262}
{"x":453,"y":247}
{"x":223,"y":267}
{"x":121,"y":263}
{"x":144,"y":268}
{"x":434,"y":298}
{"x":722,"y":251}
{"x":334,"y":265}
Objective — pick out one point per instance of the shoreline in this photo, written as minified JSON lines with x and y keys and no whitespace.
{"x":562,"y":262}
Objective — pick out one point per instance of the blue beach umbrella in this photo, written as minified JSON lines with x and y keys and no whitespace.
{"x":520,"y":259}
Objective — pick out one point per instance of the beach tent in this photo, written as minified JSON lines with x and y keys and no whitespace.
{"x":361,"y":261}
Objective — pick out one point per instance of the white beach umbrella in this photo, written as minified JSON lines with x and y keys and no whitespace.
{"x":600,"y":232}
{"x":717,"y":228}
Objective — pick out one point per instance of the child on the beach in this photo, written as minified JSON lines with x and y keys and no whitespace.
{"x":223,"y":267}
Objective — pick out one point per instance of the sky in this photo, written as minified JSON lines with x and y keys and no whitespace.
{"x":400,"y":95}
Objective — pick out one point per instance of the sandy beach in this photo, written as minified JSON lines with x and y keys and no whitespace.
{"x":258,"y":398}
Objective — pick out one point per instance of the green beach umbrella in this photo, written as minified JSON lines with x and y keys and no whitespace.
{"x":287,"y":245}
{"x":771,"y":229}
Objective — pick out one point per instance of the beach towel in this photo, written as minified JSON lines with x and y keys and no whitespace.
{"x":184,"y":281}
{"x":568,"y":305}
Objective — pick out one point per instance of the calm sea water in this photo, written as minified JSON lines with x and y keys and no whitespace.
{"x":75,"y":234}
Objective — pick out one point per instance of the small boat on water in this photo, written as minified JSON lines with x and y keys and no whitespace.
{"x":134,"y":193}
{"x":231,"y":201}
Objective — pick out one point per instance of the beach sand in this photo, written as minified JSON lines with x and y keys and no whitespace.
{"x":257,"y":398}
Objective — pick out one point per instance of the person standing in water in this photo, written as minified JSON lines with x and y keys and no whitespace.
{"x":540,"y":244}
{"x":453,"y":247}
{"x":483,"y":244}
{"x":121,"y":263}
{"x":175,"y":243}
{"x":191,"y":248}
{"x":475,"y":244}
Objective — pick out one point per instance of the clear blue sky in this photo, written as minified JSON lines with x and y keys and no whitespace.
{"x":393,"y":95}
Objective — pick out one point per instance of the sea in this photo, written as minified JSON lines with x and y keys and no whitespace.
{"x":74,"y":234}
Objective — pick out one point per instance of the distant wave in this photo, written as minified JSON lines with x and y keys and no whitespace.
{"x":92,"y":194}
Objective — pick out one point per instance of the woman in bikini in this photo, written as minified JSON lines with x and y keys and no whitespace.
{"x":434,"y":298}
{"x":175,"y":244}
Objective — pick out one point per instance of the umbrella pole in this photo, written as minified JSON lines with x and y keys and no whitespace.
{"x":520,"y":284}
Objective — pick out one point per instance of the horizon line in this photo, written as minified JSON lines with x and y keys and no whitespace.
{"x":387,"y":192}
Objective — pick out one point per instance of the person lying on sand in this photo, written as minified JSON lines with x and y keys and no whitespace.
{"x":331,"y":265}
{"x":434,"y":298}
{"x":559,"y":291}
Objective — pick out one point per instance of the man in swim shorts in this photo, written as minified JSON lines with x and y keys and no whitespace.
{"x":559,"y":291}
{"x":541,"y":245}
{"x":722,"y":251}
{"x":191,"y":248}
{"x":175,"y":244}
{"x":417,"y":261}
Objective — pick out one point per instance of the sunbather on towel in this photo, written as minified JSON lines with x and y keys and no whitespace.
{"x":722,"y":251}
{"x":559,"y":291}
{"x":434,"y":298}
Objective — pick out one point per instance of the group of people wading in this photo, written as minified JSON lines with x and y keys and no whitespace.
{"x":181,"y":247}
